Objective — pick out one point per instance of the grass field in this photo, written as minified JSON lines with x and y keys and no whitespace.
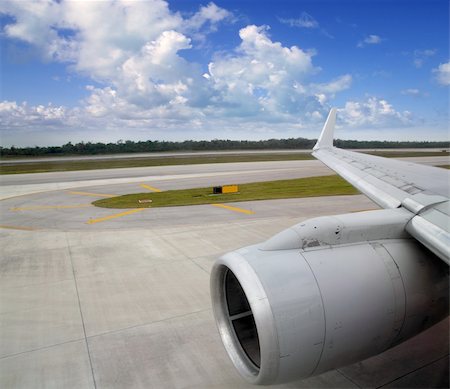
{"x":283,"y":189}
{"x":61,"y":165}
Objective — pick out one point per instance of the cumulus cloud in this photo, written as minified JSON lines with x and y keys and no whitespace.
{"x":370,"y":40}
{"x":374,"y":113}
{"x":144,"y":83}
{"x":19,"y":116}
{"x":304,"y":21}
{"x":78,"y":31}
{"x":442,"y":73}
{"x":266,"y":79}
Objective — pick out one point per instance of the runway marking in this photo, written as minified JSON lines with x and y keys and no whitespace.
{"x":93,"y":194}
{"x":43,"y":207}
{"x":236,"y":209}
{"x":151,"y":188}
{"x":102,"y":219}
{"x":18,"y":228}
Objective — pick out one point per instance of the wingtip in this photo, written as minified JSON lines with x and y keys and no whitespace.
{"x":327,"y":135}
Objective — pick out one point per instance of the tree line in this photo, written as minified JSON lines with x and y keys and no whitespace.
{"x":129,"y":146}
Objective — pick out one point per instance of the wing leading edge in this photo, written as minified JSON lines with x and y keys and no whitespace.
{"x":422,"y":190}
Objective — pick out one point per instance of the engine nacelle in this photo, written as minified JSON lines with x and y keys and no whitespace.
{"x":293,"y":313}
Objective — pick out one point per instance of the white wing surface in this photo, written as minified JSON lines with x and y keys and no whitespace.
{"x":422,"y":190}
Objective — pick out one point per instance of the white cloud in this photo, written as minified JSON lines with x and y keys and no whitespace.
{"x":263,"y":77}
{"x":98,"y":36}
{"x":370,"y":40}
{"x":145,"y":86}
{"x":211,"y":14}
{"x":442,"y":73}
{"x":331,"y":88}
{"x":15,"y":116}
{"x":304,"y":21}
{"x":373,"y":113}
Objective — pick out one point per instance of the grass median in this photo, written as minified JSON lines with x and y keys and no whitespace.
{"x":269,"y":190}
{"x":58,"y":165}
{"x":61,"y":165}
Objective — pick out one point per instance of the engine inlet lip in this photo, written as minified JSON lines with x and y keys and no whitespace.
{"x":267,"y":371}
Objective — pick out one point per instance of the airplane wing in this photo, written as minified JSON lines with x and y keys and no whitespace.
{"x":422,"y":190}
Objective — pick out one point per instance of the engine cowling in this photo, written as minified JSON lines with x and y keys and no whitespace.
{"x":286,"y":314}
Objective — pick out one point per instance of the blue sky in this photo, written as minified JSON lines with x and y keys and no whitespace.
{"x":175,"y":70}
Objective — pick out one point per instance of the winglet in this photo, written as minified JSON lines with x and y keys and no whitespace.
{"x":326,"y":137}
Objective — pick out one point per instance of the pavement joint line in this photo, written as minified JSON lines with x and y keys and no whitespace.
{"x":102,"y":219}
{"x":413,"y":371}
{"x":40,"y":348}
{"x":145,"y":269}
{"x":92,"y":194}
{"x":153,"y":189}
{"x":38,"y":284}
{"x":81,"y":312}
{"x":44,"y":207}
{"x":236,"y":209}
{"x":21,"y":228}
{"x":149,"y":323}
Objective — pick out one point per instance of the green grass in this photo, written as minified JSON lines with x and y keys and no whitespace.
{"x":444,"y":166}
{"x":284,"y":189}
{"x":406,"y":154}
{"x":61,"y":166}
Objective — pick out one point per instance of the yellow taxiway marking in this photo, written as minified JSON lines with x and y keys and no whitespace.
{"x":236,"y":209}
{"x":42,"y":207}
{"x":102,"y":219}
{"x":18,"y":228}
{"x":93,"y":194}
{"x":151,"y":188}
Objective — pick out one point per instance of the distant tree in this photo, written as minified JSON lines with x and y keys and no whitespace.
{"x":129,"y":146}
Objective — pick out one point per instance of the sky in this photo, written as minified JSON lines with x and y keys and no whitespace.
{"x":110,"y":70}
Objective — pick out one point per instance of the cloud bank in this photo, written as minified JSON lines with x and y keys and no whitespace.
{"x":134,"y":53}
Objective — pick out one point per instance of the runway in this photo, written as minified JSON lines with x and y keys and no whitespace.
{"x":90,"y":298}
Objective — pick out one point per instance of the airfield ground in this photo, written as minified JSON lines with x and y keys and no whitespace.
{"x":102,"y":298}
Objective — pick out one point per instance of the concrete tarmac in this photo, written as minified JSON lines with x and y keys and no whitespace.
{"x":89,"y":299}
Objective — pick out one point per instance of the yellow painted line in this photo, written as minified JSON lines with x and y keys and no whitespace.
{"x":93,"y":194}
{"x":102,"y":219}
{"x":18,"y":228}
{"x":43,"y":207}
{"x":151,"y":188}
{"x":236,"y":209}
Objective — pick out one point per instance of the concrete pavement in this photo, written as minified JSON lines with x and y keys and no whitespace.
{"x":124,"y":302}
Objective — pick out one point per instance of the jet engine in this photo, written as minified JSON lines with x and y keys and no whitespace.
{"x":326,"y":293}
